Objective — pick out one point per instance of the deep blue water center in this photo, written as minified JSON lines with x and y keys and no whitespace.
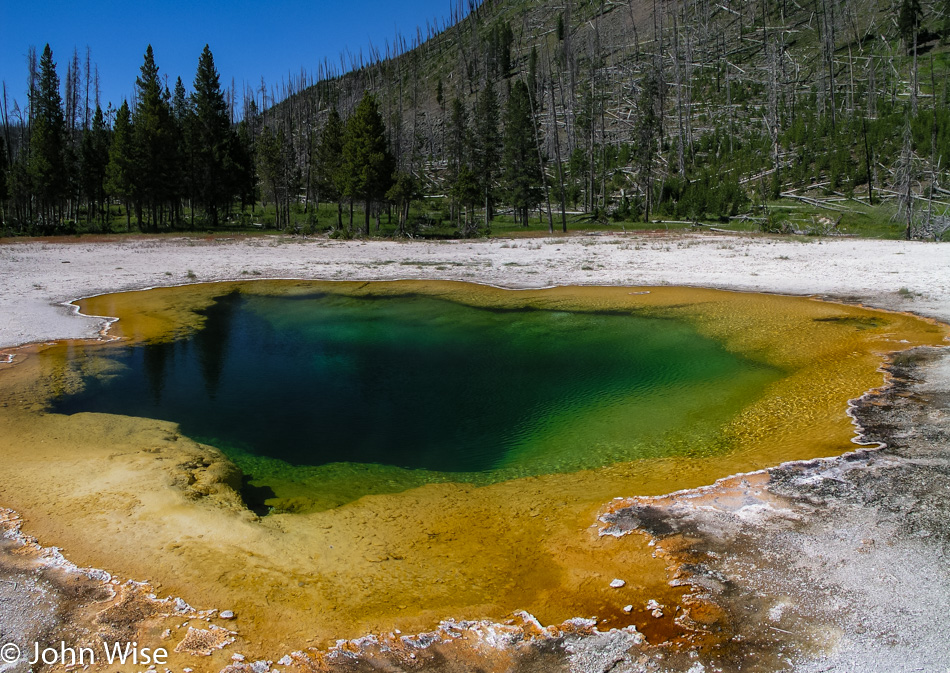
{"x":419,"y":382}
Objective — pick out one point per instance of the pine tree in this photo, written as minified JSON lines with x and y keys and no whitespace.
{"x":47,"y":162}
{"x":404,"y":190}
{"x":521,"y":168}
{"x":3,"y":179}
{"x":329,"y":174}
{"x":213,"y":140}
{"x":183,"y":118}
{"x":533,"y":75}
{"x":487,"y":148}
{"x":242,"y":172}
{"x":367,"y":163}
{"x":182,"y":105}
{"x":908,"y":21}
{"x":457,"y":146}
{"x":468,"y":191}
{"x":154,"y":144}
{"x":94,"y":159}
{"x":268,"y":166}
{"x":501,"y":38}
{"x":464,"y":184}
{"x":120,"y":169}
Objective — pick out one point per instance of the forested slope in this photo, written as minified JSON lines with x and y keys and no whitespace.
{"x":689,"y":109}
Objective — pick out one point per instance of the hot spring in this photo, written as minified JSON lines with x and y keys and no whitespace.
{"x":333,"y":459}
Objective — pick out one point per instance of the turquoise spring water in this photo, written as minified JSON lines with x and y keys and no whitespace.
{"x":351,"y":395}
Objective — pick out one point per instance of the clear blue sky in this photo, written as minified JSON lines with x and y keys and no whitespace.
{"x":248,"y":39}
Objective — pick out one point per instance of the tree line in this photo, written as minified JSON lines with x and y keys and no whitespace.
{"x":165,"y":150}
{"x":171,"y":157}
{"x":698,"y":111}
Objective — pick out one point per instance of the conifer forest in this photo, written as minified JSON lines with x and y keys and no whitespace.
{"x":782,"y":116}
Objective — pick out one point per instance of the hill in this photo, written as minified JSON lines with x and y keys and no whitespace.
{"x":688,"y":110}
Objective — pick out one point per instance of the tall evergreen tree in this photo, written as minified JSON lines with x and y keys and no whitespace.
{"x":243,"y":165}
{"x":3,"y":180}
{"x":909,"y":15}
{"x":94,"y":158}
{"x":500,"y":40}
{"x":248,"y":129}
{"x":368,"y":165}
{"x":47,"y":161}
{"x":182,"y":106}
{"x":120,"y":169}
{"x":183,"y":128}
{"x":154,"y":144}
{"x":521,"y":167}
{"x":268,"y":166}
{"x":457,"y":140}
{"x":458,"y":154}
{"x":533,"y":76}
{"x":329,"y":174}
{"x":213,"y":141}
{"x":404,"y":190}
{"x":487,"y":147}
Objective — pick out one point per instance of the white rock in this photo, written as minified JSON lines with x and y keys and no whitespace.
{"x":628,"y":609}
{"x":227,"y":614}
{"x":616,"y":584}
{"x":182,"y":607}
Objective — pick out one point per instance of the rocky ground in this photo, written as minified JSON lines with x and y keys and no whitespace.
{"x":830,"y":565}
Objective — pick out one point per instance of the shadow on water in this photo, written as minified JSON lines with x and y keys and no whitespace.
{"x":255,"y":497}
{"x":154,"y":359}
{"x":212,"y":341}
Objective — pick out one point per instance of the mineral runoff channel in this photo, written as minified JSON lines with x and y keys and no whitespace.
{"x":138,"y":498}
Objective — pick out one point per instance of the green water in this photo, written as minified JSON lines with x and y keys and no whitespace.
{"x":328,"y":397}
